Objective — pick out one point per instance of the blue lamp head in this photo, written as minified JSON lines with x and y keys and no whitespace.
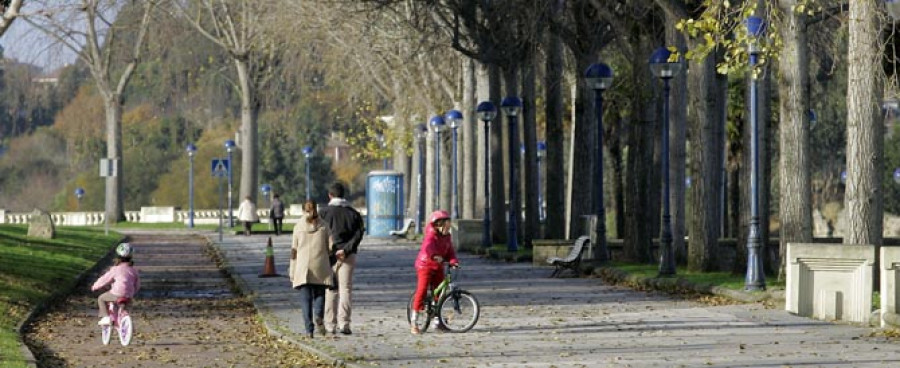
{"x":79,"y":192}
{"x":307,"y":151}
{"x":191,"y":149}
{"x":229,"y":145}
{"x":541,"y":148}
{"x":662,"y":65}
{"x":599,"y":76}
{"x":843,"y":177}
{"x":486,"y":111}
{"x":454,"y":117}
{"x":756,"y":29}
{"x":897,"y":176}
{"x":437,"y":123}
{"x":265,"y":188}
{"x":511,"y":105}
{"x":811,"y":114}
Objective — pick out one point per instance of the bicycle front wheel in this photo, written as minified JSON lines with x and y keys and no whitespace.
{"x":459,"y":311}
{"x":105,"y":332}
{"x":423,"y":317}
{"x":126,"y":329}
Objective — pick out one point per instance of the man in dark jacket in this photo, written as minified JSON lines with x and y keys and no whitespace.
{"x":346,"y":226}
{"x":276,"y":213}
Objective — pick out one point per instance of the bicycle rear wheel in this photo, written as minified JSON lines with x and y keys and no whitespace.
{"x":423,"y":317}
{"x":459,"y":311}
{"x":105,"y":333}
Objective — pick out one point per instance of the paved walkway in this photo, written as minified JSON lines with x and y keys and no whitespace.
{"x":530,"y":320}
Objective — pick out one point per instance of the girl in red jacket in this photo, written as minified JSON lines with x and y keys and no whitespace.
{"x":437,"y":248}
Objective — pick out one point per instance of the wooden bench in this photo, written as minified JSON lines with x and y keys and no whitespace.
{"x":404,"y":232}
{"x":573,"y":260}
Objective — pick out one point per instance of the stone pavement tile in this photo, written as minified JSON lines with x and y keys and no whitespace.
{"x":530,"y":320}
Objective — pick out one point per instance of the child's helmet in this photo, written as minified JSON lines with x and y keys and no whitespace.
{"x":124,"y":250}
{"x":439,"y":215}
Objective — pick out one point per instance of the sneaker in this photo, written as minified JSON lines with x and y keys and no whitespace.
{"x":414,"y":330}
{"x":346,"y":330}
{"x":104,"y":321}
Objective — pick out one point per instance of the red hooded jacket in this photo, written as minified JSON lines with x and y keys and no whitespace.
{"x":435,"y":244}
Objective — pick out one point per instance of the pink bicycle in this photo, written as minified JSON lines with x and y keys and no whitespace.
{"x":118,"y":320}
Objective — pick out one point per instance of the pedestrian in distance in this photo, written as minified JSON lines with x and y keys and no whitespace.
{"x":125,"y":280}
{"x":247,"y":214}
{"x":437,"y":248}
{"x":346,"y":226}
{"x":276,"y":213}
{"x":310,"y":269}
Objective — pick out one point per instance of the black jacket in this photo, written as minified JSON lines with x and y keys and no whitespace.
{"x":346,"y":226}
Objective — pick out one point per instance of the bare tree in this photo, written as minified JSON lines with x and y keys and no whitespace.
{"x":10,"y":10}
{"x":239,"y":27}
{"x":85,"y":27}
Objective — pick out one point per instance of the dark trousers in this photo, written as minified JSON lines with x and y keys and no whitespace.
{"x":312,"y":301}
{"x":247,"y":226}
{"x":278,"y":223}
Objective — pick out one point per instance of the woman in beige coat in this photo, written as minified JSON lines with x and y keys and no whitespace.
{"x":309,"y":270}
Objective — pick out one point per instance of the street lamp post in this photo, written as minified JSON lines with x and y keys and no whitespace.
{"x":454,"y":117}
{"x":307,"y":153}
{"x":437,"y":124}
{"x":421,"y":132}
{"x":229,"y":147}
{"x":511,"y":107}
{"x":487,"y":112}
{"x":541,"y":152}
{"x":79,"y":193}
{"x":663,"y":67}
{"x":755,"y":279}
{"x":191,"y":151}
{"x":266,"y":189}
{"x":599,"y":77}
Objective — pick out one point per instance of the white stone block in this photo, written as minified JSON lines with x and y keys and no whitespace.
{"x":830,"y":281}
{"x":157,"y":214}
{"x":890,"y":292}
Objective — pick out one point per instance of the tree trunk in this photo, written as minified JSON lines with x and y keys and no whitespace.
{"x":531,"y":226}
{"x":865,"y":153}
{"x":555,"y":224}
{"x":115,"y":209}
{"x":249,"y":133}
{"x":482,"y":173}
{"x":470,"y":123}
{"x":580,"y":187}
{"x":498,"y":192}
{"x":641,"y":214}
{"x":703,"y":226}
{"x":677,"y":155}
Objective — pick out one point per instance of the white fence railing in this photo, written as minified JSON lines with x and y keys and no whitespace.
{"x":98,"y":218}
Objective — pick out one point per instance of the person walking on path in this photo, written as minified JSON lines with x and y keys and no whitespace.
{"x":437,"y":248}
{"x":310,"y":270}
{"x":346,"y":227}
{"x":124,"y":278}
{"x":276,"y":213}
{"x":247,"y":214}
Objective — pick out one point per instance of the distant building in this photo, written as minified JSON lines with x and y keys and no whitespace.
{"x":337,"y":148}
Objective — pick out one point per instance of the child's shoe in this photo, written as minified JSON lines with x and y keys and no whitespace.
{"x":104,"y":321}
{"x":414,"y":330}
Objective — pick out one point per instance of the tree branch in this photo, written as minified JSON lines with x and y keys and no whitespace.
{"x":10,"y":14}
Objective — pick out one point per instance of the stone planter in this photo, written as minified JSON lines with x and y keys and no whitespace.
{"x":467,"y":234}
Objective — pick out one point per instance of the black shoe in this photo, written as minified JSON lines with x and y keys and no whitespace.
{"x":346,"y":330}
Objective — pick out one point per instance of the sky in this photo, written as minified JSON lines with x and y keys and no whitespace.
{"x":26,"y":44}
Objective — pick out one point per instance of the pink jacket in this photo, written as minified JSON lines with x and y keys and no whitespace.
{"x":435,"y":244}
{"x":125,"y":280}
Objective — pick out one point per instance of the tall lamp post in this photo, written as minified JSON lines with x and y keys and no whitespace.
{"x":421,"y":132}
{"x":487,"y":112}
{"x":541,"y":152}
{"x":307,"y":153}
{"x":229,"y":147}
{"x":454,"y":117}
{"x":755,"y":279}
{"x":191,"y":151}
{"x":599,"y":77}
{"x":511,"y":107}
{"x":663,"y":67}
{"x":266,"y":189}
{"x":79,"y":193}
{"x":437,"y":124}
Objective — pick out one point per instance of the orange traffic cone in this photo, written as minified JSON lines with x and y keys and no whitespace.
{"x":269,"y":268}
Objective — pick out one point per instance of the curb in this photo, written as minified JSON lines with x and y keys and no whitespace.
{"x":244,"y":288}
{"x":27,"y":354}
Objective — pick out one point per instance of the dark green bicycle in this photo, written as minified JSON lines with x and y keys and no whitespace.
{"x":455,"y":308}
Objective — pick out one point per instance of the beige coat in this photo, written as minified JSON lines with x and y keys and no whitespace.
{"x":310,"y":246}
{"x":247,"y":212}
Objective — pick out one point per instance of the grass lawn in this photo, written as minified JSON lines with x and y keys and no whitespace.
{"x":722,"y":279}
{"x":32,"y":270}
